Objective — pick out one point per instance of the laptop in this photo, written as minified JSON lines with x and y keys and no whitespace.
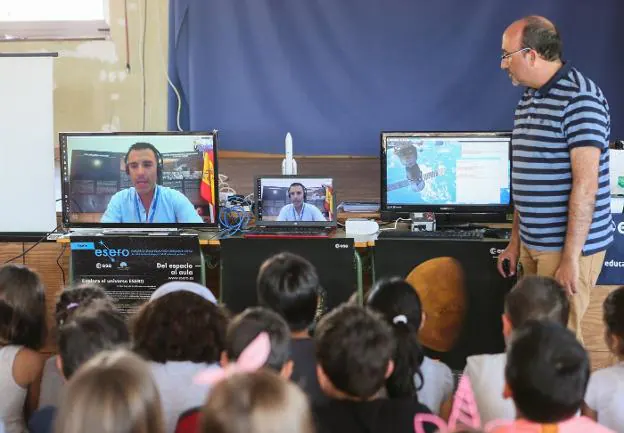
{"x":294,"y":207}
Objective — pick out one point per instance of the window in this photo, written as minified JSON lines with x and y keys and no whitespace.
{"x":53,"y":19}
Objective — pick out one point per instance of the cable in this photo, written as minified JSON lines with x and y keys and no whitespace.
{"x":128,"y":68}
{"x":59,"y":264}
{"x":396,"y":223}
{"x":233,"y":219}
{"x":143,"y":23}
{"x":24,"y":252}
{"x":166,"y":69}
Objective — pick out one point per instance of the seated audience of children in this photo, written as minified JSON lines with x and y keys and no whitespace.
{"x":354,"y":352}
{"x":181,"y":332}
{"x":546,"y":376}
{"x":22,"y":334}
{"x":532,"y":298}
{"x":604,"y":400}
{"x":69,"y":301}
{"x":114,"y":392}
{"x":400,"y":305}
{"x":91,"y":330}
{"x":289,"y":285}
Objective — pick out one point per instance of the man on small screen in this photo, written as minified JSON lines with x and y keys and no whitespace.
{"x":146,"y":201}
{"x":298,"y":209}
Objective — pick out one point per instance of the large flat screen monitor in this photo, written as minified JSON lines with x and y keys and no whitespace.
{"x":134,"y":179}
{"x":444,"y":172}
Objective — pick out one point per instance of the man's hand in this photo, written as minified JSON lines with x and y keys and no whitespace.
{"x":511,"y":253}
{"x":567,"y":274}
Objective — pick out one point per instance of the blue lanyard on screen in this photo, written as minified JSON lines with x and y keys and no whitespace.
{"x":152,"y":211}
{"x":295,"y":212}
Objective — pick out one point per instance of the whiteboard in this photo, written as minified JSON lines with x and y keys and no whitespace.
{"x":27,"y":198}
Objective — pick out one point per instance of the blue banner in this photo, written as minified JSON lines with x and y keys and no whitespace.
{"x":613,"y":268}
{"x":335,"y":73}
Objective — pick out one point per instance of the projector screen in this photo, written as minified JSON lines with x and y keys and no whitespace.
{"x":26,"y":144}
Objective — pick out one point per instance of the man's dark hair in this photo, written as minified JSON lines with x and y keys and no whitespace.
{"x":542,"y":36}
{"x":180,"y":326}
{"x":613,"y":316}
{"x":354,"y":346}
{"x":547,"y":371}
{"x":142,"y":146}
{"x":305,"y":192}
{"x":289,"y":285}
{"x":85,"y":335}
{"x":248,"y":325}
{"x":22,"y":307}
{"x":537,"y":298}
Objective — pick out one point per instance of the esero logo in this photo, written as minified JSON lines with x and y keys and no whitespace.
{"x":614,"y":263}
{"x":620,"y":228}
{"x":112,"y":252}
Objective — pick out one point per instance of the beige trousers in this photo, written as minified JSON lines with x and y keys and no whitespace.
{"x":545,"y":263}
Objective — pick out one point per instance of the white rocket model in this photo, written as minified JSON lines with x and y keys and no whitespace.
{"x":289,"y":165}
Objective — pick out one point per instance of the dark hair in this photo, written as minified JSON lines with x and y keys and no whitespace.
{"x":88,"y":334}
{"x":79,"y":296}
{"x":537,"y":298}
{"x":547,"y":371}
{"x":180,"y":326}
{"x":613,"y":316}
{"x":22,"y":307}
{"x":289,"y":285}
{"x":542,"y":36}
{"x":354,"y":346}
{"x":142,"y":146}
{"x":247,"y":325}
{"x":400,"y":305}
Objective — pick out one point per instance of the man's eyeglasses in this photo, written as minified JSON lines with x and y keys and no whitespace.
{"x":505,"y":56}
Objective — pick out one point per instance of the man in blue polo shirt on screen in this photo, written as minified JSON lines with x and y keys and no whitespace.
{"x":146,"y":201}
{"x":560,"y":173}
{"x":298,"y":209}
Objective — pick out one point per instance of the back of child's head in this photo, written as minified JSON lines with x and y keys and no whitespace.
{"x":87,"y":334}
{"x":547,"y":372}
{"x":79,"y":297}
{"x":246,"y":326}
{"x":400,"y":305}
{"x":259,"y":402}
{"x":22,"y":307}
{"x":114,"y":392}
{"x":537,"y":298}
{"x":180,"y":326}
{"x":613,"y":316}
{"x":289,"y":285}
{"x":354,"y":347}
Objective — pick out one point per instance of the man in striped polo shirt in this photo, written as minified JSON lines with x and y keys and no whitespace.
{"x":560,"y":172}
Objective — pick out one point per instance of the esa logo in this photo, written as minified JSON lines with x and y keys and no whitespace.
{"x":495,"y":252}
{"x":112,"y":252}
{"x":340,"y":246}
{"x":620,"y":228}
{"x":103,"y":265}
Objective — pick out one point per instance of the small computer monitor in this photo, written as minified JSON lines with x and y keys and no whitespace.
{"x":139,"y":179}
{"x":444,"y":172}
{"x":295,"y":201}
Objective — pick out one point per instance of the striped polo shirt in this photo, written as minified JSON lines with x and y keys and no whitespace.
{"x":567,"y":112}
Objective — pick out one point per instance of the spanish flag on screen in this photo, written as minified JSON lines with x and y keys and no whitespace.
{"x":329,"y":200}
{"x":206,"y":189}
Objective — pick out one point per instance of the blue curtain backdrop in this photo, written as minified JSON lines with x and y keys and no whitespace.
{"x":337,"y":72}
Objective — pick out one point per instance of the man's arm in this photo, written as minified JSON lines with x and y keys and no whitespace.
{"x":585,"y":163}
{"x":283,"y":213}
{"x":317,"y":215}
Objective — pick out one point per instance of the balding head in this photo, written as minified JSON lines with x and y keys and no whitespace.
{"x":541,"y":35}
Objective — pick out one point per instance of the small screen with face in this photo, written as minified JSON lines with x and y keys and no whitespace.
{"x":295,"y":199}
{"x":166,"y":178}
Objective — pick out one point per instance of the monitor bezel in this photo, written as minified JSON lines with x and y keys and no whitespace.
{"x":257,"y":206}
{"x":386,"y":208}
{"x":144,"y":226}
